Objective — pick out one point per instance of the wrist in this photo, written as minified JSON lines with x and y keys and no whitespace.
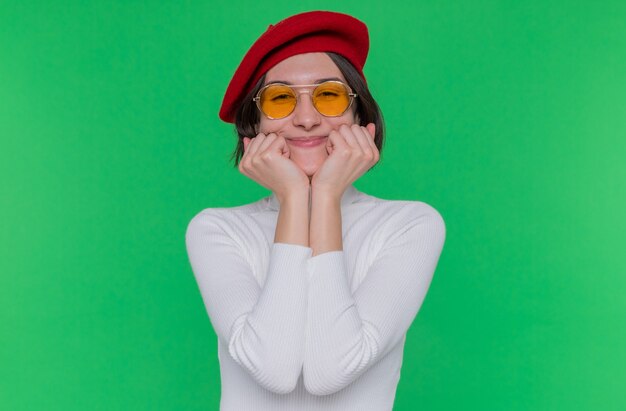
{"x":292,"y":225}
{"x":295,"y":196}
{"x":325,"y":195}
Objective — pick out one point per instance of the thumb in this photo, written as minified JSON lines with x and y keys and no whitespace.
{"x":371,"y":127}
{"x":285,"y":150}
{"x":281,"y":146}
{"x":330,"y":146}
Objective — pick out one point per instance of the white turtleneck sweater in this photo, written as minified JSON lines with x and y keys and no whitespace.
{"x":303,"y":333}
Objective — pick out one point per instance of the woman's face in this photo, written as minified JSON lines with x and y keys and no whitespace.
{"x":305,"y":122}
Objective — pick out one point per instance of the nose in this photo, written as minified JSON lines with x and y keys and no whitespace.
{"x":305,"y":114}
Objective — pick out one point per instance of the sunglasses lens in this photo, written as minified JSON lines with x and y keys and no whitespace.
{"x":277,"y":101}
{"x":331,"y":99}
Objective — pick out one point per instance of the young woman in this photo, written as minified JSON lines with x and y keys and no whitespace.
{"x":311,"y":290}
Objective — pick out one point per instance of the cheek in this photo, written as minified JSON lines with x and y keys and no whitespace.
{"x":267,"y":126}
{"x":347,"y":119}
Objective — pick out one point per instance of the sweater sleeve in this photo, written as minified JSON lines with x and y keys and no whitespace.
{"x":262,"y":327}
{"x":346,"y":333}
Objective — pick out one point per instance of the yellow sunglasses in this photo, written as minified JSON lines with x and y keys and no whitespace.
{"x":331,"y":99}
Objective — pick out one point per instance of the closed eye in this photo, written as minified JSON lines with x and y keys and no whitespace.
{"x":282,"y":97}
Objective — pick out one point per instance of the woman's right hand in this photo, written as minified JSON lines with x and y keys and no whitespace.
{"x":266,"y":161}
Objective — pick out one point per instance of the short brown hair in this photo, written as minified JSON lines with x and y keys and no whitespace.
{"x":367,"y":110}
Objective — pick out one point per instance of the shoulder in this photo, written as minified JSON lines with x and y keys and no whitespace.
{"x":225,"y":219}
{"x":395,"y":217}
{"x":403,"y":210}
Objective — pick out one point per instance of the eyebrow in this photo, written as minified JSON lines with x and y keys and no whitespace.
{"x":319,"y":81}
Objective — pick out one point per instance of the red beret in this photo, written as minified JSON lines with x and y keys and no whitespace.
{"x":314,"y":31}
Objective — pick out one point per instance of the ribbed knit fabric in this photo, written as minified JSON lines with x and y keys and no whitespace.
{"x":297,"y":332}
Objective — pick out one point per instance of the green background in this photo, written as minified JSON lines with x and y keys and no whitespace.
{"x":507,"y":117}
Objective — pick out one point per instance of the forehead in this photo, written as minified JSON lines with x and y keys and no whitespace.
{"x":304,"y":69}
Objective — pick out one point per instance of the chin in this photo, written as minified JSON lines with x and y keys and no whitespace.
{"x":309,"y":165}
{"x":309,"y":171}
{"x":309,"y":168}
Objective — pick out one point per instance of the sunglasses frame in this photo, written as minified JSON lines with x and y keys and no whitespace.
{"x":257,"y":99}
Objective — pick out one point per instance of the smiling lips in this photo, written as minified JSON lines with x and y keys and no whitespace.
{"x":307,"y":142}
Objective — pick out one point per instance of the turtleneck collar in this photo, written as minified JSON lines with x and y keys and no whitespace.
{"x":349,"y":197}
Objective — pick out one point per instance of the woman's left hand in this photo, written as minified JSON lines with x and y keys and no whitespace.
{"x":351,"y":152}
